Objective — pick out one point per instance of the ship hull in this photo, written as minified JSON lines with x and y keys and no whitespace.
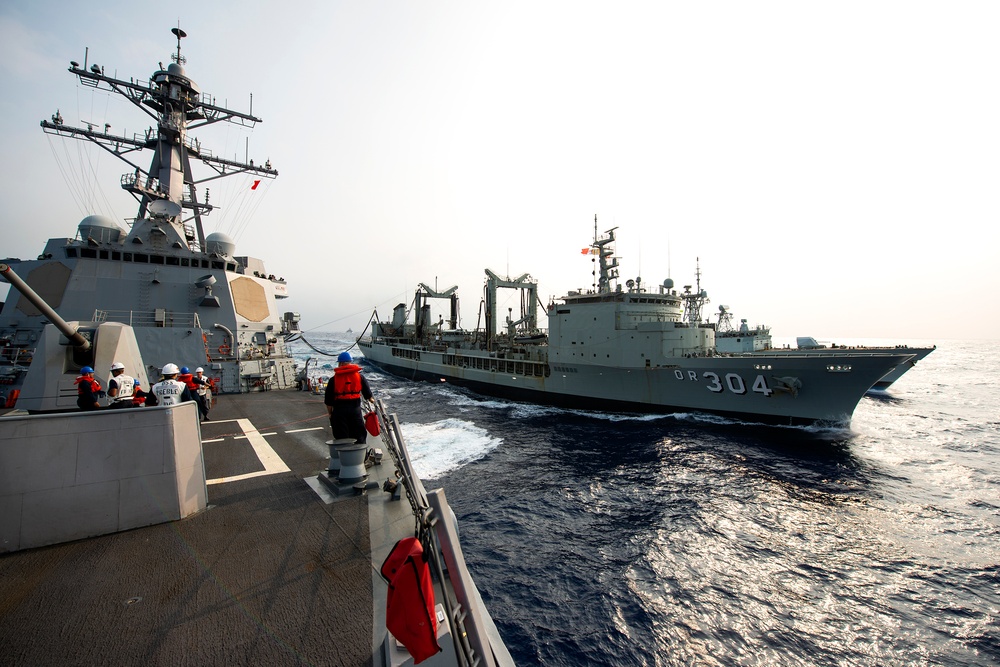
{"x":753,"y":389}
{"x":917,"y":353}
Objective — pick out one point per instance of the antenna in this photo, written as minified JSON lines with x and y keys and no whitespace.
{"x":178,"y":58}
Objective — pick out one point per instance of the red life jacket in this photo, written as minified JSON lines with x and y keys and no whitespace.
{"x":187,"y":379}
{"x":347,"y":382}
{"x":409,"y":606}
{"x":95,"y":386}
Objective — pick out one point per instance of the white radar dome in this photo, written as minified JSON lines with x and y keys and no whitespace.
{"x":220,"y":243}
{"x":100,"y":228}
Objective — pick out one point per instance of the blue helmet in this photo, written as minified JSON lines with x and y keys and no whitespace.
{"x":86,"y":370}
{"x":345,"y":356}
{"x":185,"y":369}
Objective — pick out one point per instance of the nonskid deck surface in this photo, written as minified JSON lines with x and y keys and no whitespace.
{"x":269,"y":574}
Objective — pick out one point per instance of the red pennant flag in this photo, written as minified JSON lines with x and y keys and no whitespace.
{"x":255,"y":184}
{"x":585,"y":251}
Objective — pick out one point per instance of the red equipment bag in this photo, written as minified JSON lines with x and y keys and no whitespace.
{"x":371,"y":424}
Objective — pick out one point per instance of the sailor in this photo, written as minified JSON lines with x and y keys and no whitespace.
{"x":202,"y":391}
{"x":88,"y":390}
{"x":343,"y":399}
{"x":121,"y":387}
{"x":138,"y":395}
{"x":169,"y":391}
{"x":185,"y":377}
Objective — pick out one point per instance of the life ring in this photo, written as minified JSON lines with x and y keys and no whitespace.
{"x":224,"y":349}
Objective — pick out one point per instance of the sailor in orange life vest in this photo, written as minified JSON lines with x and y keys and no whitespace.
{"x":343,"y":399}
{"x":88,"y":390}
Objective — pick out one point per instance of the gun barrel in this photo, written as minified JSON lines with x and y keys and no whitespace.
{"x":31,"y":295}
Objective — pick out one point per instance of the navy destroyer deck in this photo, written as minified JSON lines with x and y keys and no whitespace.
{"x":272,"y":573}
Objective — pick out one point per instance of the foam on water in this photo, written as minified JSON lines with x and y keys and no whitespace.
{"x":440,"y":447}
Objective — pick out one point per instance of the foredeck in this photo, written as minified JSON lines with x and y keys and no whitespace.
{"x":269,"y":574}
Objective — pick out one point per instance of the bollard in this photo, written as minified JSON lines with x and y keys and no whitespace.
{"x":334,"y":468}
{"x":352,"y":460}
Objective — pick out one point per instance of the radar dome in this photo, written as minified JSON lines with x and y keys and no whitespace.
{"x":220,"y":243}
{"x":669,"y":283}
{"x":100,"y":228}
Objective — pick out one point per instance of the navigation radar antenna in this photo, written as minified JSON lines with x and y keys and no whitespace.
{"x":177,"y":57}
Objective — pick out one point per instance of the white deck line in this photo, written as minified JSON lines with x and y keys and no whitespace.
{"x":268,"y":457}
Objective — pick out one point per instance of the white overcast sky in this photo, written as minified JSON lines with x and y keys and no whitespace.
{"x":835,"y":166}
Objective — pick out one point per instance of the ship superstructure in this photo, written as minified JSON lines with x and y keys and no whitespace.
{"x":628,"y":347}
{"x":189,"y":297}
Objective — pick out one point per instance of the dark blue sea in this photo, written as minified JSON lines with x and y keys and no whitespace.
{"x":609,"y":539}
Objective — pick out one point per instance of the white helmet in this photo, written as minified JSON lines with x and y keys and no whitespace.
{"x":117,"y":366}
{"x":199,"y":370}
{"x":171,"y":369}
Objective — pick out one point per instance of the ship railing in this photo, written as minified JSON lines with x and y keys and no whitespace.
{"x":150,"y":186}
{"x":16,"y":355}
{"x":475,"y":638}
{"x":158,"y":317}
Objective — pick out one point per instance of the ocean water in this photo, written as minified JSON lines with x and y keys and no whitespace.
{"x":608,"y":539}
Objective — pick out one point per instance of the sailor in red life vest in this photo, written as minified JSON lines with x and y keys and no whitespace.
{"x":343,"y":399}
{"x":186,"y":377}
{"x":88,"y":389}
{"x":168,"y":391}
{"x":138,"y":395}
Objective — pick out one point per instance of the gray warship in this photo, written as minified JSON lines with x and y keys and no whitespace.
{"x":146,"y":536}
{"x":187,"y":295}
{"x":619,"y":348}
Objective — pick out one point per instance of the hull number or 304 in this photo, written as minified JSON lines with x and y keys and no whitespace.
{"x":732,"y":382}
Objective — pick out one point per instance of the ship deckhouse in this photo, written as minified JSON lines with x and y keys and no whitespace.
{"x":628,"y":327}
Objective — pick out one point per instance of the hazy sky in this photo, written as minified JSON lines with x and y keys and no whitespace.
{"x":835,"y":166}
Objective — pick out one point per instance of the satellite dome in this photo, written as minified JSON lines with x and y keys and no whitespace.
{"x":669,"y":283}
{"x":174,"y":68}
{"x":100,"y":228}
{"x":220,"y":243}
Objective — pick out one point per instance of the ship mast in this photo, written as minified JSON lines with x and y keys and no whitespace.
{"x":168,"y":186}
{"x":608,"y":261}
{"x":694,"y":301}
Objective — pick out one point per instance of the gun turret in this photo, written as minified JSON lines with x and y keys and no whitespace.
{"x":64,"y":327}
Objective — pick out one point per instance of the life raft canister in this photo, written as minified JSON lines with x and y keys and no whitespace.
{"x":409,"y":605}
